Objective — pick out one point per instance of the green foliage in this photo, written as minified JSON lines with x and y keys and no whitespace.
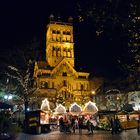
{"x":14,"y":128}
{"x":6,"y":124}
{"x":5,"y":121}
{"x":118,"y":22}
{"x":104,"y":124}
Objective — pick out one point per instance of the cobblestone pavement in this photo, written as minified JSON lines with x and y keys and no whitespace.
{"x":98,"y":135}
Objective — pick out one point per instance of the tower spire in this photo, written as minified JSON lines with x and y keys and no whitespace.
{"x":51,"y":17}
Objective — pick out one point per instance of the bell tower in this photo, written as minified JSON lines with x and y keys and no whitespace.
{"x":59,"y":42}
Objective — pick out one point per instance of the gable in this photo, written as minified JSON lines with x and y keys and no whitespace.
{"x":64,"y":68}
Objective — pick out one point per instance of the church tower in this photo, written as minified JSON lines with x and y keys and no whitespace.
{"x":59,"y":42}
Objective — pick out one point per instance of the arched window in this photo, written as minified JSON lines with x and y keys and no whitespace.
{"x":64,"y":52}
{"x":52,"y":84}
{"x":81,"y":87}
{"x":64,"y":32}
{"x":64,"y":74}
{"x":46,"y":85}
{"x":58,"y":32}
{"x":65,"y":83}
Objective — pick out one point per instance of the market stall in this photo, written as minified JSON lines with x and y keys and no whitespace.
{"x":90,"y":108}
{"x":128,"y":120}
{"x":60,"y":110}
{"x":134,"y":115}
{"x":75,"y":109}
{"x":37,"y":122}
{"x":122,"y":116}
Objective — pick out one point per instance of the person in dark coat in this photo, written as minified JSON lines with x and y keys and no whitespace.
{"x":73,"y":124}
{"x":80,"y":125}
{"x":88,"y":125}
{"x":61,"y":124}
{"x":117,"y":126}
{"x":138,"y":126}
{"x":112,"y":126}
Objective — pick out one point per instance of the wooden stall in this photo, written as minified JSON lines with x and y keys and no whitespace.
{"x":37,"y":122}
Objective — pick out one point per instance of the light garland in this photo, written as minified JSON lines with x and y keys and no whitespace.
{"x":45,"y":103}
{"x":76,"y":109}
{"x":60,"y":109}
{"x":90,"y":107}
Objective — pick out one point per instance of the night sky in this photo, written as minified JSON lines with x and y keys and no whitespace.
{"x":23,"y":21}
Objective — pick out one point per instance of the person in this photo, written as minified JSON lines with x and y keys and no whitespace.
{"x":73,"y":124}
{"x":76,"y":124}
{"x":92,"y":125}
{"x":112,"y":126}
{"x":61,"y":124}
{"x":117,"y":126}
{"x":138,"y":126}
{"x":80,"y":125}
{"x":65,"y":124}
{"x":25,"y":125}
{"x":88,"y":125}
{"x":69,"y":126}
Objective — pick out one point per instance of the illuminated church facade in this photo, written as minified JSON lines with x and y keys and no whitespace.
{"x":56,"y":78}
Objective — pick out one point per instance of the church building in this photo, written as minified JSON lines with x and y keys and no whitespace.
{"x":56,"y":78}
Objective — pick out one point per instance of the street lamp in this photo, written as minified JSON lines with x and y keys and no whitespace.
{"x":93,"y":95}
{"x":93,"y":92}
{"x":8,"y":97}
{"x":6,"y":100}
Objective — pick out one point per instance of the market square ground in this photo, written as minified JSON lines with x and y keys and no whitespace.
{"x":98,"y":135}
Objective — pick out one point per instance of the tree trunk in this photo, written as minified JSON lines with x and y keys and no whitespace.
{"x":26,"y":117}
{"x":26,"y":107}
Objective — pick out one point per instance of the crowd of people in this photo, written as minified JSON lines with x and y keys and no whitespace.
{"x":70,"y":125}
{"x":76,"y":123}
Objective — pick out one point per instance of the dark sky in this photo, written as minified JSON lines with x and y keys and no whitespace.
{"x":22,"y":21}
